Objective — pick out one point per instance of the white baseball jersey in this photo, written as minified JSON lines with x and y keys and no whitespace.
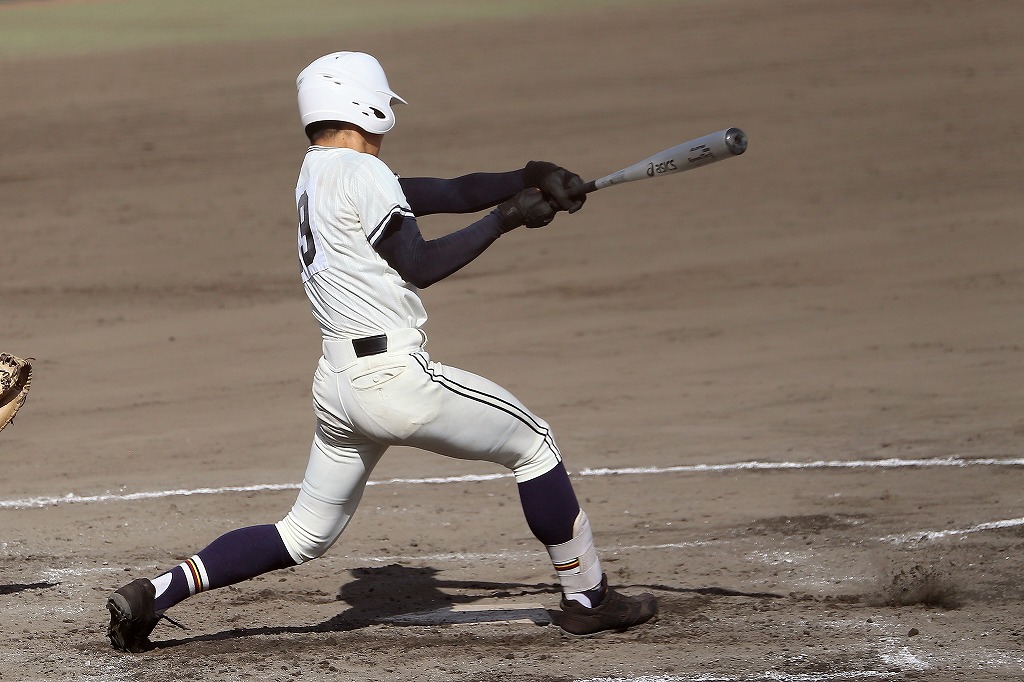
{"x":345,"y":199}
{"x":365,"y":404}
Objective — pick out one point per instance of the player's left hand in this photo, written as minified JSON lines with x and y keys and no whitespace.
{"x":556,"y":183}
{"x":528,"y":207}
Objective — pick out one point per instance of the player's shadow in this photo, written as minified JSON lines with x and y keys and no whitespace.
{"x":385,"y":594}
{"x":377,"y":595}
{"x":21,"y":587}
{"x":381,"y":594}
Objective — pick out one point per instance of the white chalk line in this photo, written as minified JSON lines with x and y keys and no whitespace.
{"x":72,"y":498}
{"x":768,"y":675}
{"x":891,"y":463}
{"x":898,"y":658}
{"x":922,"y":536}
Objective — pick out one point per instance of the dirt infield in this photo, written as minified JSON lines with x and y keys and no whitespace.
{"x":789,"y":385}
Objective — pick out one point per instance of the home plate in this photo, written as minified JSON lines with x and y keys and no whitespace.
{"x":476,"y":614}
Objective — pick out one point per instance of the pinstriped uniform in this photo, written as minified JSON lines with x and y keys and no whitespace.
{"x":344,"y":200}
{"x":364,"y":405}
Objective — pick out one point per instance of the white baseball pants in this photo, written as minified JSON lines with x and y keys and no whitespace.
{"x":400,"y":397}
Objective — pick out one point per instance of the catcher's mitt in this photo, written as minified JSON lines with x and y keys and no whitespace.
{"x":15,"y":379}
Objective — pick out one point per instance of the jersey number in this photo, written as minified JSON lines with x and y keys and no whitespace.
{"x":312,"y":258}
{"x":307,"y":245}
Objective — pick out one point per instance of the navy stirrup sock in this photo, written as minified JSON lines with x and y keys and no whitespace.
{"x":233,"y":557}
{"x":550,"y":506}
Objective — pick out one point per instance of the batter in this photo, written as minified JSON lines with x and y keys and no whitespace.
{"x":362,"y":259}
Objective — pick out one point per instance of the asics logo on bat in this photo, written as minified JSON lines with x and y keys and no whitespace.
{"x":663,"y":167}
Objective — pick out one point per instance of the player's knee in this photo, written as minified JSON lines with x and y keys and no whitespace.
{"x":304,"y":543}
{"x":537,"y":463}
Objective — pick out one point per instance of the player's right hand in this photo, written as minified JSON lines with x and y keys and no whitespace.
{"x":529,"y":207}
{"x":557,"y":184}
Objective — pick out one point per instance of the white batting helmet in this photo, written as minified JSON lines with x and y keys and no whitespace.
{"x":349,"y":87}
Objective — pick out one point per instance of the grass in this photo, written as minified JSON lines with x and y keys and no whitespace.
{"x":70,"y":27}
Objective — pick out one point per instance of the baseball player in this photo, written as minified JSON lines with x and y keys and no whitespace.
{"x":362,"y":258}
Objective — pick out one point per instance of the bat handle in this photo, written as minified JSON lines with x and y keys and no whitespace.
{"x":585,"y":188}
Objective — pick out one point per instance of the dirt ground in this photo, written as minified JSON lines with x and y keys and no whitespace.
{"x":789,"y":386}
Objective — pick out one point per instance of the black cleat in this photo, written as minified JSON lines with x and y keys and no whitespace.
{"x":615,"y":612}
{"x":132,"y":616}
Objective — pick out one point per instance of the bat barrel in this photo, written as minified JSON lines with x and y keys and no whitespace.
{"x":698,"y":152}
{"x":735,"y":141}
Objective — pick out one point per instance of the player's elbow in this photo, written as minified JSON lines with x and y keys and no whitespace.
{"x":420,"y":282}
{"x":418,"y":275}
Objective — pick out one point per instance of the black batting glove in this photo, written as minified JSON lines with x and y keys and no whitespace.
{"x":556,"y":183}
{"x":528,"y":207}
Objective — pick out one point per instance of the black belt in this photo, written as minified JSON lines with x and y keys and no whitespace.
{"x":370,"y":345}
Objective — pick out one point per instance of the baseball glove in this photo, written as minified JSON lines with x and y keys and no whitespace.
{"x":15,"y":379}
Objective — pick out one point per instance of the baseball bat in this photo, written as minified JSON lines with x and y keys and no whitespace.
{"x":698,"y":152}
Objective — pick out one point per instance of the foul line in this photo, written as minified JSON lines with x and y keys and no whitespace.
{"x":891,"y":463}
{"x":921,"y":536}
{"x":770,"y":675}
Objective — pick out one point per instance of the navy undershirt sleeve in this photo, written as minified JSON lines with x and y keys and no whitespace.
{"x":464,"y":194}
{"x":421,"y":262}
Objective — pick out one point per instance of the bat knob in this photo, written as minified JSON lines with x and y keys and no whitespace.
{"x":735,"y":141}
